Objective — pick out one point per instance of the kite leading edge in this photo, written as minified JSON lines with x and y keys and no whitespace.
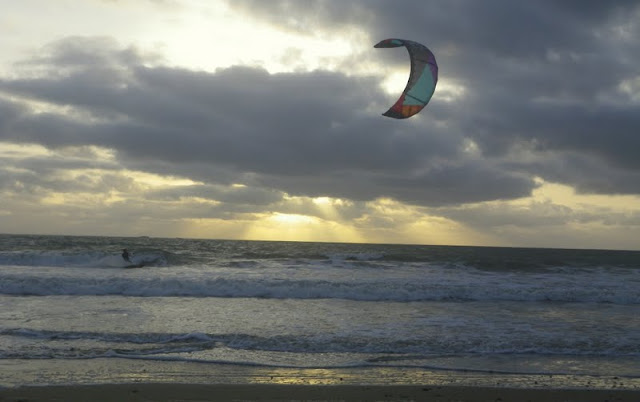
{"x":422,"y":79}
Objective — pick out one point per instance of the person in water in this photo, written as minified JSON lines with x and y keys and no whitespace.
{"x":125,"y":255}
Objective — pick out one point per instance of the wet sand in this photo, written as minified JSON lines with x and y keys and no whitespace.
{"x":264,"y":392}
{"x":121,"y":380}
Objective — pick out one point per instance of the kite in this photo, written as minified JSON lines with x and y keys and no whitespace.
{"x":422,"y":79}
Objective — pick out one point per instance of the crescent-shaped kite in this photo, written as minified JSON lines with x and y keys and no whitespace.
{"x":422,"y":79}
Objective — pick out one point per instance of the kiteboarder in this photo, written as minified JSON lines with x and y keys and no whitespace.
{"x":125,"y":255}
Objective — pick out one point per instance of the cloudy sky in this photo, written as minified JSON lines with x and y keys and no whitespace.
{"x":262,"y":120}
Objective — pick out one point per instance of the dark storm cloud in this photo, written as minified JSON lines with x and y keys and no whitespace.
{"x":545,"y":73}
{"x":302,"y":133}
{"x":497,"y":27}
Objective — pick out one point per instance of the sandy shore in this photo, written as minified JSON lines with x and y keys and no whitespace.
{"x":122,"y":380}
{"x":262,"y":392}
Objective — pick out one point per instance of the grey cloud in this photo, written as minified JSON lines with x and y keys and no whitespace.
{"x":546,"y":73}
{"x":586,"y":172}
{"x":301,"y":133}
{"x":533,"y":215}
{"x":232,"y":195}
{"x":499,"y":27}
{"x":308,"y":16}
{"x":39,"y":175}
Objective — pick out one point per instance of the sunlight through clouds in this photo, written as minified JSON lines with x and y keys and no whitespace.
{"x":294,"y":227}
{"x":211,"y":35}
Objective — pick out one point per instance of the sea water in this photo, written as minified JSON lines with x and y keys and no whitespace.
{"x":297,"y":306}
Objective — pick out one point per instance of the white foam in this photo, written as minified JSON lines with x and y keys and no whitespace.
{"x":619,"y":286}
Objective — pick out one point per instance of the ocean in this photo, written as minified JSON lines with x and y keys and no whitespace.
{"x":68,"y":307}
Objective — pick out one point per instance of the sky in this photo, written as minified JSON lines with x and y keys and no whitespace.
{"x":261,"y":120}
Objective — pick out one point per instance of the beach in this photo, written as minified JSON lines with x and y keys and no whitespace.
{"x":186,"y":392}
{"x":119,"y":380}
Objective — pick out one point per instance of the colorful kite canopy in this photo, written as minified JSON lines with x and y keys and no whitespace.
{"x":422,"y":79}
